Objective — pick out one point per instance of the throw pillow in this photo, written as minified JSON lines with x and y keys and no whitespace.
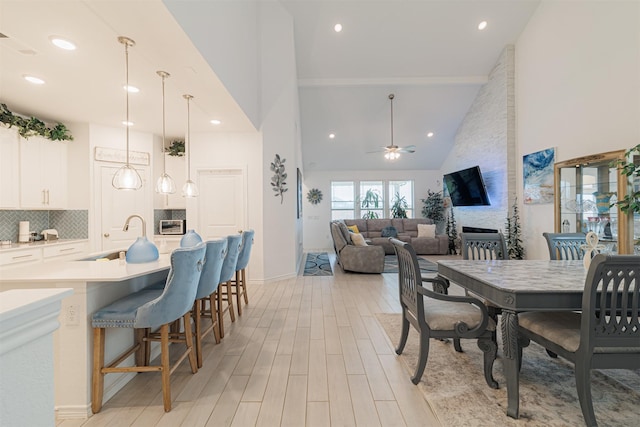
{"x":353,"y":228}
{"x":358,"y":239}
{"x":427,"y":230}
{"x":389,"y":232}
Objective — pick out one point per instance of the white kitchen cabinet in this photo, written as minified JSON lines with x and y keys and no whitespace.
{"x":19,"y":258}
{"x":43,"y":173}
{"x":64,"y":252}
{"x":176,"y":168}
{"x":9,"y":176}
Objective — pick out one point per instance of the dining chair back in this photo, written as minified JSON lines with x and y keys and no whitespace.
{"x":437,"y":315}
{"x":225,"y":292}
{"x":565,"y":246}
{"x":206,"y":295}
{"x":483,"y":246}
{"x":605,"y":335}
{"x":145,"y":311}
{"x":240,"y":282}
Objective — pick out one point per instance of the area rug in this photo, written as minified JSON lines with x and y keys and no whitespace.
{"x":391,"y":264}
{"x":318,"y":264}
{"x":453,"y":385}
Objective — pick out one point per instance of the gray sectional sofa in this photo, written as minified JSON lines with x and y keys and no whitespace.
{"x":359,"y":259}
{"x":407,"y":231}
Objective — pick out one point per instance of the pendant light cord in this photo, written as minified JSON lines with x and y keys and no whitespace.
{"x":391,"y":98}
{"x":126,"y":60}
{"x":164,"y":158}
{"x":188,"y":98}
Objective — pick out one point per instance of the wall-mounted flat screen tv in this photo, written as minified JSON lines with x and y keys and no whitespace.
{"x":466,"y":187}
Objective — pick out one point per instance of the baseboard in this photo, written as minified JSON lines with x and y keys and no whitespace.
{"x":73,"y":412}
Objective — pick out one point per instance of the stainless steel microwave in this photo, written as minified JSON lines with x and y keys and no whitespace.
{"x":172,"y":226}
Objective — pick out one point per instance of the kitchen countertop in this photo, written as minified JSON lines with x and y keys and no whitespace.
{"x":84,"y":271}
{"x":38,"y":244}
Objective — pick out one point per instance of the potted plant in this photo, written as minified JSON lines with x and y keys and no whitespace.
{"x":452,"y":232}
{"x":515,"y":250}
{"x":434,"y":209}
{"x":176,"y":148}
{"x":371,"y":200}
{"x":399,"y":207}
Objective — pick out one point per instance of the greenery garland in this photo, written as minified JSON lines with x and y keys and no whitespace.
{"x":28,"y":127}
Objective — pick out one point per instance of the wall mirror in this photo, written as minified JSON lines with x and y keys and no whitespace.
{"x":585,"y":189}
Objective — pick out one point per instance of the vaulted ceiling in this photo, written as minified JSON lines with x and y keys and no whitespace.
{"x":430,"y":54}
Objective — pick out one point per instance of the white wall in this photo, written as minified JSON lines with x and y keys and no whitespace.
{"x":577,"y":89}
{"x":486,"y":138}
{"x":317,"y":217}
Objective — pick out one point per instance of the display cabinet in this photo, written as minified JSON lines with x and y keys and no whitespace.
{"x":586,"y":190}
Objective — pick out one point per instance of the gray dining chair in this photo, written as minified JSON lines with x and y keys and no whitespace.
{"x":207,"y":294}
{"x":604,"y":335}
{"x":565,"y":246}
{"x":438,"y":315}
{"x":145,"y":311}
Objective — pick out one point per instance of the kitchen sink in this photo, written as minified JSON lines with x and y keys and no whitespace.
{"x":104,"y":257}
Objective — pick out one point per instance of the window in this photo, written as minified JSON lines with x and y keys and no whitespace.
{"x":369,"y":199}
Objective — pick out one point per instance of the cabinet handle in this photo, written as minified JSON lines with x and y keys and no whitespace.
{"x":47,"y":196}
{"x":22,"y":256}
{"x":66,"y":249}
{"x":44,"y":200}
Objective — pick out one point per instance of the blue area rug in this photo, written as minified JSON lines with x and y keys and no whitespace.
{"x":318,"y":264}
{"x":391,"y":265}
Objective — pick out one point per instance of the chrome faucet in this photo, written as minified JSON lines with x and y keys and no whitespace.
{"x":144,"y":224}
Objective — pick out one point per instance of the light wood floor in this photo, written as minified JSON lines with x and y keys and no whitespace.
{"x":306,"y":352}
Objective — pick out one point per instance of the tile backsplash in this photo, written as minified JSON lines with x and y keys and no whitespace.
{"x":159,"y":214}
{"x":71,"y":224}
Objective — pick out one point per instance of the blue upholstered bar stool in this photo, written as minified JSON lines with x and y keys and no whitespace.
{"x":145,"y":311}
{"x":207,"y":289}
{"x":240,"y":282}
{"x":228,"y":270}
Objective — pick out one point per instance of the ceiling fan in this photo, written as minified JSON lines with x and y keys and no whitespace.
{"x":392,"y":151}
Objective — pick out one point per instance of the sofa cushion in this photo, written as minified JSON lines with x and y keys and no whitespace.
{"x":358,"y":239}
{"x":389,"y":232}
{"x":361,"y":223}
{"x":353,"y":228}
{"x":398,"y":223}
{"x":427,"y":230}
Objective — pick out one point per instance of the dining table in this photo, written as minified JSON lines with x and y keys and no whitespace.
{"x":516,"y":286}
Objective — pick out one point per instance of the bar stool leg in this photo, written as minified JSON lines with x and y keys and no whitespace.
{"x":232,"y":314}
{"x":98,"y":364}
{"x":236,"y":284}
{"x":214,"y":317}
{"x":244,"y":285}
{"x":188,"y":337}
{"x":166,"y":369}
{"x":198,"y":307}
{"x":220,"y":312}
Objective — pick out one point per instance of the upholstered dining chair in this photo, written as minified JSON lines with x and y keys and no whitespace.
{"x":225,"y":293}
{"x":565,"y":246}
{"x":240,"y":282}
{"x":145,"y":311}
{"x":437,"y":315}
{"x":207,"y":293}
{"x":605,"y":334}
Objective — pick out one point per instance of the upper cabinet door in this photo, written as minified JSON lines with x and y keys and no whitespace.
{"x":176,"y":168}
{"x":43,"y":173}
{"x":9,"y":162}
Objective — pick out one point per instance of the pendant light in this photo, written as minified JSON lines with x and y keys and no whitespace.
{"x":127,"y":177}
{"x":190,"y":189}
{"x":165,"y":184}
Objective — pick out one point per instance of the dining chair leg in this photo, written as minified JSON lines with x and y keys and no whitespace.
{"x":456,"y":345}
{"x":403,"y":335}
{"x":583,"y":387}
{"x":98,"y":363}
{"x":422,"y":358}
{"x":490,"y":349}
{"x":165,"y":368}
{"x":140,"y":352}
{"x":147,"y":346}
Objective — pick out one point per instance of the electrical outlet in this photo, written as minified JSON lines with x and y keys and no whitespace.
{"x":71,"y":315}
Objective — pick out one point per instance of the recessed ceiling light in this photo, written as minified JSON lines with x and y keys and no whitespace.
{"x":215,"y":122}
{"x":126,"y":123}
{"x":62,"y":43}
{"x":337,"y":28}
{"x":33,"y":79}
{"x":430,"y":134}
{"x":482,"y":25}
{"x":332,"y":135}
{"x":131,"y":89}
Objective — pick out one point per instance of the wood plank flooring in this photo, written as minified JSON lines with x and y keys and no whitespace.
{"x":307,"y":351}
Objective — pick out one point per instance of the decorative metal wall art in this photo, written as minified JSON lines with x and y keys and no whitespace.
{"x":314,"y":196}
{"x":278,"y":182}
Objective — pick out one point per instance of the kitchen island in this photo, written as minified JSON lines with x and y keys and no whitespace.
{"x":95,"y":284}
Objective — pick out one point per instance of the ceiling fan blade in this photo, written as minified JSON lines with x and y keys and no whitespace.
{"x":407,"y":149}
{"x":380,"y":150}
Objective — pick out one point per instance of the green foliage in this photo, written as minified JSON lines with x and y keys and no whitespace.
{"x":28,"y":127}
{"x":514,"y":241}
{"x":452,"y":232}
{"x":278,"y":179}
{"x":371,"y":200}
{"x":176,"y":148}
{"x":628,"y":167}
{"x":399,"y":207}
{"x":433,"y":206}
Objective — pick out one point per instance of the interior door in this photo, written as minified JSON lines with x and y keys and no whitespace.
{"x":117,"y":205}
{"x":222,"y":201}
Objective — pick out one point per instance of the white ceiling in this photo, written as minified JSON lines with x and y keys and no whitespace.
{"x":428,"y":53}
